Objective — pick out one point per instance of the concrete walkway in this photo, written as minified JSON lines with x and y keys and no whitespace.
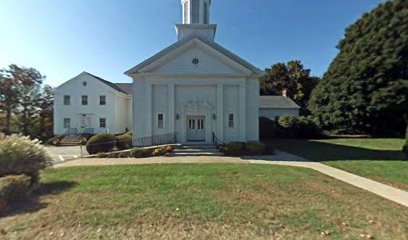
{"x":281,"y":158}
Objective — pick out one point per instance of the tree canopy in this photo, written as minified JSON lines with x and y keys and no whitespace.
{"x":293,"y":78}
{"x":365,"y":89}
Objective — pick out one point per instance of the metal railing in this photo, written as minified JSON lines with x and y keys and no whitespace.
{"x":155,"y":140}
{"x":216,"y":141}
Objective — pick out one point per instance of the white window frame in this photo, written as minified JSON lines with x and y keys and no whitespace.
{"x":67,"y":103}
{"x":158,"y":121}
{"x":100,"y":100}
{"x":67,"y":122}
{"x":106,"y":122}
{"x":231,"y":122}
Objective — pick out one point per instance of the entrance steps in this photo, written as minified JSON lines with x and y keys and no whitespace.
{"x":71,"y":141}
{"x":196,"y":149}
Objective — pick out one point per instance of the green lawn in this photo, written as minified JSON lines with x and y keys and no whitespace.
{"x":202,"y":201}
{"x":378,"y":159}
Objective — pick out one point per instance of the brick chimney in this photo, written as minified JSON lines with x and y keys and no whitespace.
{"x":285,"y":92}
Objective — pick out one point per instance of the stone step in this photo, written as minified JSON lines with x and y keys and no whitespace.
{"x":199,"y":147}
{"x":197,"y":150}
{"x":185,"y":154}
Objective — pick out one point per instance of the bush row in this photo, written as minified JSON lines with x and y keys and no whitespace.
{"x":289,"y":127}
{"x":139,"y":153}
{"x":242,"y":149}
{"x":103,"y":143}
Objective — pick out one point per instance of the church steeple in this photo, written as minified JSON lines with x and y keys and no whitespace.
{"x":196,"y":11}
{"x":196,"y":20}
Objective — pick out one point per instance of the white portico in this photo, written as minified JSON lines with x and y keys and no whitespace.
{"x":195,"y":87}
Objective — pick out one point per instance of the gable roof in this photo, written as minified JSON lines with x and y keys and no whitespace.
{"x":277,"y":102}
{"x":110,"y":84}
{"x":178,"y":44}
{"x":126,"y":87}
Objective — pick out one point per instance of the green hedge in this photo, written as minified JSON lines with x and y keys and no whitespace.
{"x":14,"y":188}
{"x":101,"y":143}
{"x":243,"y":149}
{"x":124,"y":141}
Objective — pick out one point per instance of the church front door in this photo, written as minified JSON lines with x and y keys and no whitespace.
{"x":196,"y":128}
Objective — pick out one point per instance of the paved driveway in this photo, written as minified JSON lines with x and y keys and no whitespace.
{"x":61,"y":154}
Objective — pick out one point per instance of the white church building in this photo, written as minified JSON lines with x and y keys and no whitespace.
{"x":194,"y":89}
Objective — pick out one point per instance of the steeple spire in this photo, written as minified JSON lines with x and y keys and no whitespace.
{"x":196,"y":20}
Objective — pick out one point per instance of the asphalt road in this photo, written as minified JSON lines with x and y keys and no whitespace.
{"x":61,"y":154}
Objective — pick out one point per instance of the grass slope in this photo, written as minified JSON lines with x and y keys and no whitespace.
{"x":206,"y":201}
{"x":378,"y":159}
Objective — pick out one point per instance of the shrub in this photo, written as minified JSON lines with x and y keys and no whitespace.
{"x":234,"y":148}
{"x":124,"y":142}
{"x":405,"y":148}
{"x":269,"y":128}
{"x":169,"y":149}
{"x":159,"y":151}
{"x":101,"y":143}
{"x":14,"y":188}
{"x":141,"y":153}
{"x":20,"y":155}
{"x":254,"y":148}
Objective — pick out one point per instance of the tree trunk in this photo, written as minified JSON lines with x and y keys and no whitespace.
{"x":8,"y":120}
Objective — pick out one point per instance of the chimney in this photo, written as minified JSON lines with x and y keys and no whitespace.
{"x":285,"y":92}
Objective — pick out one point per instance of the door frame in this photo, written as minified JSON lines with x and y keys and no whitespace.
{"x":196,"y":119}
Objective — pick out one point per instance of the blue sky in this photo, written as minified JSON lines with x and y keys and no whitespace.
{"x":62,"y":38}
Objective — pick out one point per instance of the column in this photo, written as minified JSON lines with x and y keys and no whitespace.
{"x":171,"y":106}
{"x":149,"y":109}
{"x":242,"y":111}
{"x":220,"y":112}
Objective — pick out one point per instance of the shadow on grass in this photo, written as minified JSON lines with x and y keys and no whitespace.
{"x":33,"y":203}
{"x":322,"y":151}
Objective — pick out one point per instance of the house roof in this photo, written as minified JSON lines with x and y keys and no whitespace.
{"x":277,"y":102}
{"x":178,"y":44}
{"x":110,"y":84}
{"x":126,"y":87}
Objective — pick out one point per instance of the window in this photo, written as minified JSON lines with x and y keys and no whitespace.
{"x":160,"y":120}
{"x":102,"y":122}
{"x":231,"y":120}
{"x":67,"y":100}
{"x":196,"y":11}
{"x":102,"y":100}
{"x":67,"y":123}
{"x":84,"y":100}
{"x":206,"y":16}
{"x":186,"y":9}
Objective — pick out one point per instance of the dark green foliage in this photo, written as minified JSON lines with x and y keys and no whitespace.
{"x":289,"y":127}
{"x":101,"y":143}
{"x":254,"y":148}
{"x":243,"y":149}
{"x":14,"y":188}
{"x":269,"y":128}
{"x":291,"y":77}
{"x":365,"y":89}
{"x":141,"y":153}
{"x":124,"y":141}
{"x":405,"y":147}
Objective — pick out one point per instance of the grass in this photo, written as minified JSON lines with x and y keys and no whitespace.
{"x":205,"y":201}
{"x":379,"y":159}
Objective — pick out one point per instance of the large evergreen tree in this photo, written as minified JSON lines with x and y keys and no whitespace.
{"x":366,"y":87}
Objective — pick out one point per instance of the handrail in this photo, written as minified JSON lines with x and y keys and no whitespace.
{"x":216,"y":140}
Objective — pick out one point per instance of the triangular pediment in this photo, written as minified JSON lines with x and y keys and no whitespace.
{"x":195,"y":56}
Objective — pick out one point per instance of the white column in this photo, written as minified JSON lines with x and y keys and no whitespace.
{"x":220,"y":112}
{"x":149,"y":109}
{"x":171,"y":106}
{"x":242,"y":111}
